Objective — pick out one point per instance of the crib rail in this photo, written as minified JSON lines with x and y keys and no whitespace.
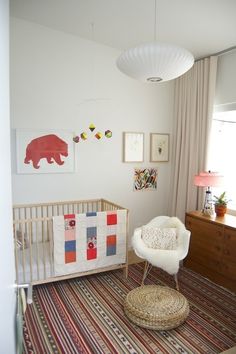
{"x":33,"y":236}
{"x":41,"y":210}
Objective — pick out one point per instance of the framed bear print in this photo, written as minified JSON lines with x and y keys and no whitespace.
{"x":44,"y":152}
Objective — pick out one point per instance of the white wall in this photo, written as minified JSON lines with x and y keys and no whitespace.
{"x":226,"y":80}
{"x":7,"y":270}
{"x":53,"y":76}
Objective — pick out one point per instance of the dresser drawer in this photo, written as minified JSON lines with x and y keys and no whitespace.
{"x":212,"y":250}
{"x":228,"y":269}
{"x":206,"y":242}
{"x":206,"y":231}
{"x":229,"y":249}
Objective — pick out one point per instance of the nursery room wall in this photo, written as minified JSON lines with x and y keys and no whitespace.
{"x":63,"y":82}
{"x":226,"y":81}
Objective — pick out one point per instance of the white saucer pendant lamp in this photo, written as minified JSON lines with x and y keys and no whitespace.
{"x":155,"y":62}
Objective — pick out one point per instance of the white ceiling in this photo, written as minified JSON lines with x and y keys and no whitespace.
{"x":201,"y":26}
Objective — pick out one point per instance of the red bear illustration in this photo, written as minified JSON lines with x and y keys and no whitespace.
{"x":47,"y":146}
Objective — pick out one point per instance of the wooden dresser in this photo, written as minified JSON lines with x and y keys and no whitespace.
{"x":212,"y":251}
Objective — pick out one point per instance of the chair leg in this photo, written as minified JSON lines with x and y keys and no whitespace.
{"x":176,"y":282}
{"x":147,"y":268}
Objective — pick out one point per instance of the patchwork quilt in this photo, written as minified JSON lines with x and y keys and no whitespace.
{"x":83,"y":242}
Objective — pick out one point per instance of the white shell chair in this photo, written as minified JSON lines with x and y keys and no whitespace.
{"x":168,"y":260}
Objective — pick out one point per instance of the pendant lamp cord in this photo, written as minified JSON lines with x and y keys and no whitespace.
{"x":155,"y":21}
{"x":93,"y":64}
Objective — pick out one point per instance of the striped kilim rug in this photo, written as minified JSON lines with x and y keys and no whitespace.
{"x":85,"y":315}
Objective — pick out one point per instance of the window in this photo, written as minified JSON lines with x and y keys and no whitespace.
{"x":222,"y":152}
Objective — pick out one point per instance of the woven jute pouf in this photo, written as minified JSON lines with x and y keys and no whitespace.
{"x":156,"y":307}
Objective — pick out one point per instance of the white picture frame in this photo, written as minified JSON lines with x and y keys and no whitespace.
{"x":159,"y":147}
{"x":31,"y":156}
{"x":133,"y":147}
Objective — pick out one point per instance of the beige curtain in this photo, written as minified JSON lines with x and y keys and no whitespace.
{"x":193,"y":108}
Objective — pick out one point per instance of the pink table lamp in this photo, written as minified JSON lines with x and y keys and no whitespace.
{"x":208,"y":179}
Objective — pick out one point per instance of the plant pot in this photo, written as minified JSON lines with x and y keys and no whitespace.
{"x":220,"y":210}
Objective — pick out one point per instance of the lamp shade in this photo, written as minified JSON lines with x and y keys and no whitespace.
{"x":208,"y":179}
{"x":155,"y":61}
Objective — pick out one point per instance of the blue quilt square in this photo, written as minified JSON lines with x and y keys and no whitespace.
{"x":91,"y":231}
{"x":111,"y":250}
{"x":92,"y":213}
{"x":70,"y":246}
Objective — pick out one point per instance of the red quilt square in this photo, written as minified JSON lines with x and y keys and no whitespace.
{"x":70,"y":257}
{"x":69,"y":216}
{"x":91,"y":253}
{"x":111,"y":219}
{"x":111,"y":240}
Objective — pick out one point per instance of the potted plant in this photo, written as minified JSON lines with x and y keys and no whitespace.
{"x":220,"y":204}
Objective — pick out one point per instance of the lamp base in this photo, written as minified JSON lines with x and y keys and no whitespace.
{"x":208,"y":208}
{"x":209,"y":211}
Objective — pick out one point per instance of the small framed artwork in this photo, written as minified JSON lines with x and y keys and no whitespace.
{"x":133,"y":147}
{"x":159,"y":147}
{"x":145,"y":179}
{"x":44,"y":152}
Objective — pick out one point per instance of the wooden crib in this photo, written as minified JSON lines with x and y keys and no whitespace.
{"x":35,"y":245}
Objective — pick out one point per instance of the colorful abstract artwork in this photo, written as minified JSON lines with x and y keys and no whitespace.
{"x":44,"y":152}
{"x":145,"y":179}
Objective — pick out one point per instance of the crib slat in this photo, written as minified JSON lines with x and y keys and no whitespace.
{"x":43,"y":250}
{"x":23,"y":251}
{"x":30,"y":249}
{"x":49,"y":222}
{"x":37,"y":249}
{"x":16,"y":254}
